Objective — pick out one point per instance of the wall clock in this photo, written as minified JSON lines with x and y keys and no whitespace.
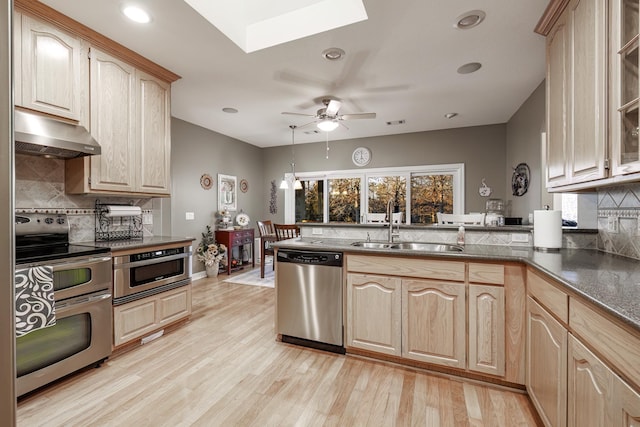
{"x":361,"y":156}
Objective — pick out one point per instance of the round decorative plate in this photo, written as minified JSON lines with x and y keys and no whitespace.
{"x":242,"y":219}
{"x":206,"y":181}
{"x":244,"y":185}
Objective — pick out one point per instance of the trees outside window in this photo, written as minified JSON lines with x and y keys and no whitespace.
{"x":419,"y":192}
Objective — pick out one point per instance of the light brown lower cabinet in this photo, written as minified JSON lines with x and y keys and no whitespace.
{"x":373,"y":313}
{"x":487,"y":329}
{"x":427,"y":311}
{"x":546,"y":373}
{"x":629,"y":401}
{"x":141,"y":317}
{"x":434,"y":322}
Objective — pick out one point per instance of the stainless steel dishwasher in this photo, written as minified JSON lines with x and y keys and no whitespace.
{"x":309,"y":298}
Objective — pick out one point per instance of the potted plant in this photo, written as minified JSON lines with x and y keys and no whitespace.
{"x":210,"y":253}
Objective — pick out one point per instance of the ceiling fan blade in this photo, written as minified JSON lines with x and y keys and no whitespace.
{"x":298,"y":114}
{"x":358,"y":116}
{"x":333,"y":107}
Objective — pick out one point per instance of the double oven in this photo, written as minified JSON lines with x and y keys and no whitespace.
{"x":82,"y":283}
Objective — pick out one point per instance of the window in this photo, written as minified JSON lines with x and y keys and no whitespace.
{"x":358,"y":196}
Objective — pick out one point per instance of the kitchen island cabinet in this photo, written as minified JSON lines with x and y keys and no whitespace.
{"x":438,"y":301}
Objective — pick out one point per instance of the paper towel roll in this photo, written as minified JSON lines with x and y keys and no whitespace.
{"x":113,"y":211}
{"x":547,"y":229}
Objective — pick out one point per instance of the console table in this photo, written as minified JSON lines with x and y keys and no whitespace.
{"x":240,"y":240}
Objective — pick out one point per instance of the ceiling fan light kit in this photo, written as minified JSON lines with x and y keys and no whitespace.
{"x":327,"y":125}
{"x":328,"y":119}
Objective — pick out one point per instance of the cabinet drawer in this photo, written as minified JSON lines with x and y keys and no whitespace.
{"x":492,"y":274}
{"x":555,"y":300}
{"x":620,"y":347}
{"x":407,"y":267}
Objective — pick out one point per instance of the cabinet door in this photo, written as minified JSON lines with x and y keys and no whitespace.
{"x":546,"y":365}
{"x":486,"y":329}
{"x":557,"y":103}
{"x":627,"y":405}
{"x":174,"y":305}
{"x":153,"y":135}
{"x":17,"y":58}
{"x":112,"y":123}
{"x":587,"y":132}
{"x":434,"y":322}
{"x":589,"y":388}
{"x":625,"y":88}
{"x":373,"y":313}
{"x":53,"y":75}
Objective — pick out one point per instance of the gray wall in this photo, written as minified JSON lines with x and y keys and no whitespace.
{"x":196,"y":151}
{"x":481,"y":148}
{"x":524,"y":146}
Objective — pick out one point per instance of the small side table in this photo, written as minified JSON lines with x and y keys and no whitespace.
{"x":237,"y":239}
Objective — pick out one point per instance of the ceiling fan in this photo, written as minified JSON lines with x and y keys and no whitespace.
{"x":328,"y":119}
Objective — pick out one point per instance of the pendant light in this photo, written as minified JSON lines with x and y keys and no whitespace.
{"x":297,"y":185}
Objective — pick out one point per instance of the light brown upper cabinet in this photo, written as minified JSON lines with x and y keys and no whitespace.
{"x":576,"y":95}
{"x":625,"y":89}
{"x":131,"y":122}
{"x":51,"y":66}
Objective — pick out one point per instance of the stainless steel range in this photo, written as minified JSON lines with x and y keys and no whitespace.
{"x":82,"y":282}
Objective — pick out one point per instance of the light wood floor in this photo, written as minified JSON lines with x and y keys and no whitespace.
{"x":225,"y":368}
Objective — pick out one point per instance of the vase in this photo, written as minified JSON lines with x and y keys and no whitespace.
{"x":213,"y":270}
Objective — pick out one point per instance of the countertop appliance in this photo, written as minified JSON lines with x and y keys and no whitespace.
{"x":82,"y":282}
{"x":309,"y":298}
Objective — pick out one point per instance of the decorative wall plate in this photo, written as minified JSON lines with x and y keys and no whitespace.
{"x":520,"y":179}
{"x":242,"y":219}
{"x":206,"y":181}
{"x":244,"y":185}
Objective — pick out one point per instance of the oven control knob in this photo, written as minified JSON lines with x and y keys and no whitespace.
{"x":48,"y":220}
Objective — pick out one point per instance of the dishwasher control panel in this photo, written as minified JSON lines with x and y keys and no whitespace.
{"x":333,"y":259}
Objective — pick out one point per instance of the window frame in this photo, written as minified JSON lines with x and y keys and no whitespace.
{"x":455,"y":169}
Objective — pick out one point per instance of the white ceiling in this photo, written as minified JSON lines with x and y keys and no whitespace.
{"x":400,"y":63}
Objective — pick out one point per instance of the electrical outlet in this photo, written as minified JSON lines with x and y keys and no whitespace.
{"x":519,"y":237}
{"x":612,"y":224}
{"x":189,"y":216}
{"x":147,"y":219}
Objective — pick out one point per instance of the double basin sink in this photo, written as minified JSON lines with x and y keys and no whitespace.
{"x":415,"y":246}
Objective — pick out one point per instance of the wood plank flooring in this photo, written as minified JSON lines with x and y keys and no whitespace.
{"x":224,"y":368}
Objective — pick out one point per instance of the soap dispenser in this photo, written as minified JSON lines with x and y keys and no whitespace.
{"x":461,"y":235}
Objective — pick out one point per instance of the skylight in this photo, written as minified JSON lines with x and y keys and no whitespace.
{"x":253,"y":26}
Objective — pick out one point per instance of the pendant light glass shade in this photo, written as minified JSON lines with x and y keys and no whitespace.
{"x":327,"y":125}
{"x":283,"y":184}
{"x":297,"y":185}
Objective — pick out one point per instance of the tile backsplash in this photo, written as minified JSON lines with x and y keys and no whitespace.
{"x":619,"y":220}
{"x":39,"y":186}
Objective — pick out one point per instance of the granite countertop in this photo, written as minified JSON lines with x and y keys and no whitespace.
{"x":610,"y":281}
{"x":123,"y":245}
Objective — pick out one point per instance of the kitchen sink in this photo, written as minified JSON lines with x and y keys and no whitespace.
{"x":373,"y":245}
{"x":428,"y":247}
{"x":415,"y":246}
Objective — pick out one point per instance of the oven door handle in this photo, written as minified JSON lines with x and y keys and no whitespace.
{"x":84,"y":299}
{"x":151,"y":261}
{"x":87,"y":262}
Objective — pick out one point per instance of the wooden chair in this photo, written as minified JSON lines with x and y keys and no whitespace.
{"x":267,"y":236}
{"x":465,"y":219}
{"x":286,"y":231}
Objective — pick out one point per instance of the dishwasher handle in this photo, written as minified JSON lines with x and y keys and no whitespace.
{"x":331,"y":259}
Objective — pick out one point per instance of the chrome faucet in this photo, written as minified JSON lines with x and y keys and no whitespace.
{"x":389,"y":219}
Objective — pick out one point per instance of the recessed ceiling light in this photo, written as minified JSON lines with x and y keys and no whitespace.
{"x":136,"y":14}
{"x":469,"y":19}
{"x":333,"y":54}
{"x":450,"y":115}
{"x":471,"y":67}
{"x":230,"y":110}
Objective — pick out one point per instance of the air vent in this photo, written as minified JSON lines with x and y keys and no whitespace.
{"x":311,"y":132}
{"x":396,"y":122}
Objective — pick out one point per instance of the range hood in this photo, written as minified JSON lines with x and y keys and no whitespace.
{"x":44,"y":136}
